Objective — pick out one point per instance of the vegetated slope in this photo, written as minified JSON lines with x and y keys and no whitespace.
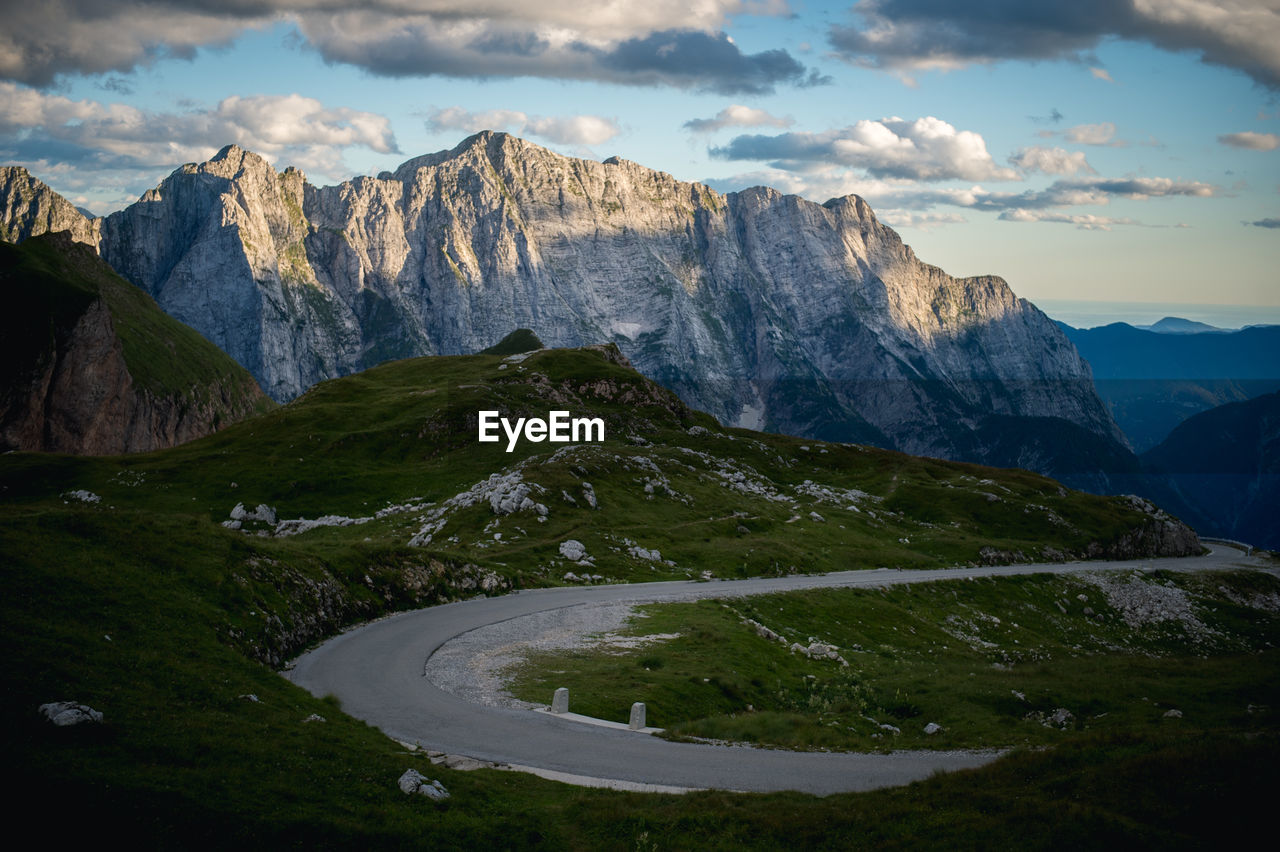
{"x":765,"y":310}
{"x":128,"y":590}
{"x":994,"y":662}
{"x":389,"y":459}
{"x":92,"y":365}
{"x":1153,"y":380}
{"x":520,"y":340}
{"x":1220,"y":470}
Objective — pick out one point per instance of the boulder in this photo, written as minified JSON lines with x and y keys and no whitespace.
{"x":413,"y":781}
{"x":64,"y":713}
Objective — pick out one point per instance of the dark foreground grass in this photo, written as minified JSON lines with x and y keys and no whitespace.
{"x":184,"y":760}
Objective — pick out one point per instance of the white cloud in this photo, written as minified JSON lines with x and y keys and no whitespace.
{"x":910,"y":35}
{"x":924,"y":149}
{"x":915,"y":219}
{"x":657,"y":42}
{"x":562,"y":130}
{"x":737,"y":115}
{"x":573,"y":129}
{"x":1251,"y":140}
{"x":1091,"y":134}
{"x":302,"y":129}
{"x":1051,"y":161}
{"x":909,"y":204}
{"x":1083,"y":221}
{"x":1101,"y":74}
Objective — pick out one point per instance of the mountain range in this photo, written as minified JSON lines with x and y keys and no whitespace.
{"x":767,"y":310}
{"x":1219,"y":470}
{"x":1155,"y":378}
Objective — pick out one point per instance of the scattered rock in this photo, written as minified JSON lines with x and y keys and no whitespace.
{"x":819,"y":651}
{"x":1141,"y":600}
{"x":992,"y":556}
{"x":83,"y":496}
{"x":64,"y":713}
{"x":1173,"y":714}
{"x":932,"y":728}
{"x":250,"y":697}
{"x":314,"y":717}
{"x":263,"y":512}
{"x":413,"y":781}
{"x":763,"y":632}
{"x":573,"y":550}
{"x":1060,"y":718}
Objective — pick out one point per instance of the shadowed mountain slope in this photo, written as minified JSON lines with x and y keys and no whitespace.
{"x":92,"y":365}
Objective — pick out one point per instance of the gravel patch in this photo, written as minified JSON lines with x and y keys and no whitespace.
{"x":475,"y":665}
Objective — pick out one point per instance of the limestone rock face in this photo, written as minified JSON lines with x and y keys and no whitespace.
{"x":769,"y":311}
{"x":220,"y":246}
{"x":28,"y":208}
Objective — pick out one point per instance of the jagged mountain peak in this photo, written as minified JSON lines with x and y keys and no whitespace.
{"x":29,"y":207}
{"x":766,"y":309}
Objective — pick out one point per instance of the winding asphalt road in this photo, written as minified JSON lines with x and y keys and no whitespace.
{"x":376,"y":672}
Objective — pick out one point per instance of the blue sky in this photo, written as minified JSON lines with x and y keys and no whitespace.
{"x":1117,"y":151}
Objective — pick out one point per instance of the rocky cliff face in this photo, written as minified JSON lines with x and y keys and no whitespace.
{"x":767,"y":310}
{"x":69,"y":385}
{"x":28,"y":207}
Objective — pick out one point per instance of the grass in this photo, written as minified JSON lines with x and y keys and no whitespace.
{"x":50,"y":287}
{"x":145,"y":607}
{"x":988,"y":660}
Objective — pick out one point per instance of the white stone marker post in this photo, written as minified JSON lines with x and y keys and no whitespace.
{"x":560,"y":701}
{"x":637,"y":716}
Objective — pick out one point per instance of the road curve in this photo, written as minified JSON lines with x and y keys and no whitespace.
{"x":376,"y":672}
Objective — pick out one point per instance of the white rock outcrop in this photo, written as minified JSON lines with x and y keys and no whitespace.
{"x":573,"y":550}
{"x":65,"y":713}
{"x":413,"y":781}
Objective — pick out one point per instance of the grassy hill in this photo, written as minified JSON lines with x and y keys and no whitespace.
{"x":92,"y":365}
{"x":126,"y":588}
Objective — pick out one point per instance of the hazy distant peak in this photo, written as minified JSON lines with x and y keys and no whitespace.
{"x":1178,"y":325}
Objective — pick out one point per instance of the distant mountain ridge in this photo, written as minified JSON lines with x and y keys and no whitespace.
{"x":1178,"y":325}
{"x":1154,"y":380}
{"x":1220,"y":471}
{"x":767,"y":310}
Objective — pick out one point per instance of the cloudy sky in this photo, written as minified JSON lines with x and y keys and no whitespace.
{"x":1118,"y":150}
